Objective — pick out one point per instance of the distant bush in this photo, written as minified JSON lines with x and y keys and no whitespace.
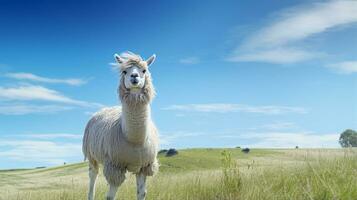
{"x":171,"y":152}
{"x":246,"y":150}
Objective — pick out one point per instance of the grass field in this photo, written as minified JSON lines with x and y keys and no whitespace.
{"x":206,"y":174}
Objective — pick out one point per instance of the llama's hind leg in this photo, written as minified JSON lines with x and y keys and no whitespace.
{"x":93,"y":173}
{"x":141,"y":186}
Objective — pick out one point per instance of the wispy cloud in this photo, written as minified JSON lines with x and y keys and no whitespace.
{"x":299,"y":23}
{"x":190,"y":60}
{"x":36,"y":78}
{"x":292,"y":139}
{"x":280,"y":126}
{"x":277,"y":42}
{"x":268,"y":138}
{"x":41,"y":149}
{"x":23,"y":109}
{"x":114,"y":66}
{"x":167,"y":138}
{"x":282,"y":139}
{"x":277,"y":56}
{"x":38,"y":151}
{"x":346,"y":67}
{"x":34,"y":92}
{"x":30,"y":99}
{"x":54,"y":136}
{"x":226,"y":108}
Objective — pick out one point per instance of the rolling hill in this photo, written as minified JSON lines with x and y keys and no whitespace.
{"x":206,"y":173}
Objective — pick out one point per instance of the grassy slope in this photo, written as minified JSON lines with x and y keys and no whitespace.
{"x":197,"y":174}
{"x":205,"y":159}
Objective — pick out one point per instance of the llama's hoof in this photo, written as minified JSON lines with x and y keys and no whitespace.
{"x":141,"y":196}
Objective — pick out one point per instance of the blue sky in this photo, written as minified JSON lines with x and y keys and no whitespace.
{"x":237,"y":73}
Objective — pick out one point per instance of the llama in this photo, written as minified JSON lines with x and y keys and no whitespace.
{"x":124,"y":139}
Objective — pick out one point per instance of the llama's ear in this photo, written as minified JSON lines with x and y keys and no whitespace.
{"x":119,"y":59}
{"x":151,"y":60}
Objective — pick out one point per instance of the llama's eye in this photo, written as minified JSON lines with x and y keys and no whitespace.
{"x":144,"y":71}
{"x":124,"y":72}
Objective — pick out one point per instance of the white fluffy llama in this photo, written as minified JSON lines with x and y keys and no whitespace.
{"x":124,"y":139}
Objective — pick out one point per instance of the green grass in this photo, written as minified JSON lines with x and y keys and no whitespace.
{"x":205,"y":159}
{"x":205,"y":174}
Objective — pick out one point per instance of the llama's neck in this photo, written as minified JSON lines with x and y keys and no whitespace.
{"x":135,"y":121}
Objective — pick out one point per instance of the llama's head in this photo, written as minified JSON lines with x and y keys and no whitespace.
{"x":135,"y":79}
{"x":134,"y":70}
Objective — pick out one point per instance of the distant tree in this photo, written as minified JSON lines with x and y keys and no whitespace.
{"x":348,"y":138}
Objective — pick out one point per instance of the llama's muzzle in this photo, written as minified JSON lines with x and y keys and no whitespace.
{"x":134,"y":81}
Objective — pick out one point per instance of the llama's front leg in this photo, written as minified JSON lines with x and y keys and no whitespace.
{"x":115,"y":177}
{"x":140,"y":186}
{"x":112,"y":191}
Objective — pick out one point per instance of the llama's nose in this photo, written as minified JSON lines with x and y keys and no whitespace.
{"x":134,"y":75}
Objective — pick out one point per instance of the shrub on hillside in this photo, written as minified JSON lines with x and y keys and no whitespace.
{"x":171,"y":152}
{"x":246,"y":150}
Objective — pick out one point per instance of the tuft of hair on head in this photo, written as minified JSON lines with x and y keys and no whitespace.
{"x":128,"y":58}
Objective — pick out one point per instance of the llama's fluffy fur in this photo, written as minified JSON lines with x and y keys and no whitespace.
{"x":124,"y":138}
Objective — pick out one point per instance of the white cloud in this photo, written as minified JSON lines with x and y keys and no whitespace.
{"x":15,"y":100}
{"x":286,"y":139}
{"x":33,"y":92}
{"x":258,"y":139}
{"x":273,"y":43}
{"x":167,"y":138}
{"x":303,"y":22}
{"x":44,"y":152}
{"x":277,"y":56}
{"x":36,"y":78}
{"x":226,"y":108}
{"x":54,"y":136}
{"x":346,"y":67}
{"x":90,"y":113}
{"x":114,"y":66}
{"x":190,"y":60}
{"x":41,"y":149}
{"x":280,"y":126}
{"x":22,"y":109}
{"x":292,"y":139}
